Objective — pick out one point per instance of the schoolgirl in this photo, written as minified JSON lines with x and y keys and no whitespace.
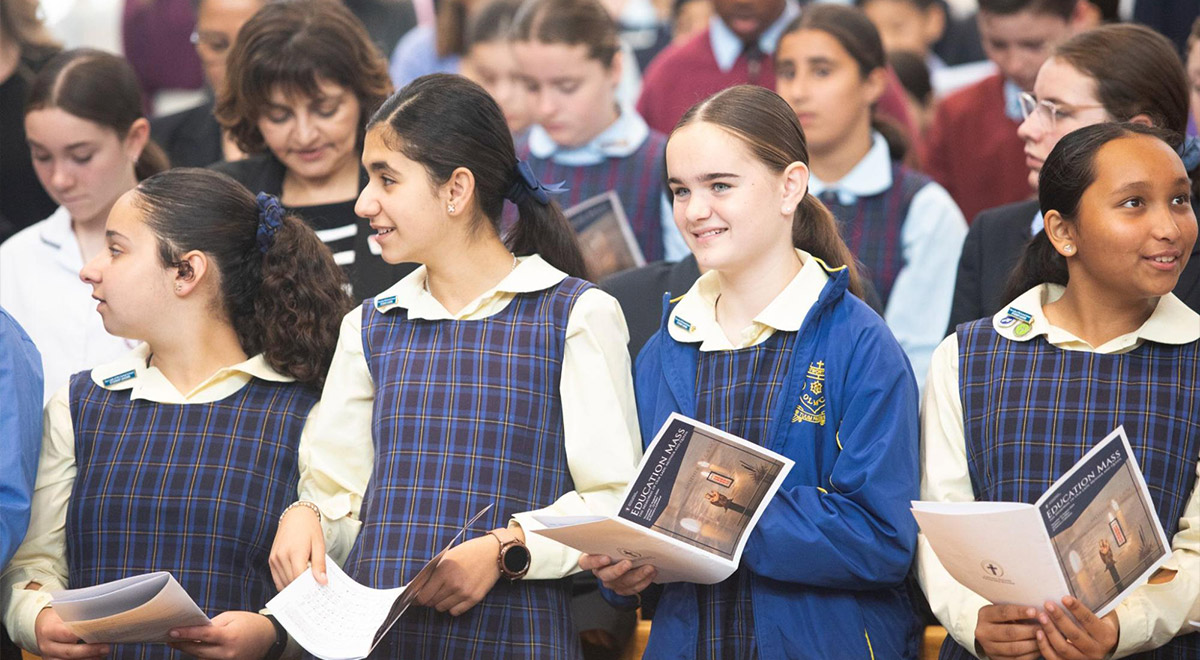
{"x":570,"y":56}
{"x":904,"y":228}
{"x":1097,"y":339}
{"x":489,"y":61}
{"x":179,"y":456}
{"x":490,"y":375}
{"x":90,"y":144}
{"x":770,"y":345}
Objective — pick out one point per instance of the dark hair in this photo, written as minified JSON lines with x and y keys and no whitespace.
{"x":919,"y":4}
{"x":1064,"y":9}
{"x":913,"y":74}
{"x":444,"y":122}
{"x":101,"y":88}
{"x":772,"y":134}
{"x":851,"y":28}
{"x":292,"y":44}
{"x":569,"y":22}
{"x":1136,"y":71}
{"x":1068,"y":172}
{"x":286,"y":304}
{"x":494,"y":22}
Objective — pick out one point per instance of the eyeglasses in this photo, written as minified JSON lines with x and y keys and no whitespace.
{"x":1048,"y":111}
{"x":215,"y":42}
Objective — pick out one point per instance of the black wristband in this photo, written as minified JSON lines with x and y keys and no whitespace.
{"x":281,"y":639}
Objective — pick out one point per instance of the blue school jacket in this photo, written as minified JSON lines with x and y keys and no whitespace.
{"x":830,"y":553}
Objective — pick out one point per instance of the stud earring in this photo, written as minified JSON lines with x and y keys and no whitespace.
{"x":178,"y":288}
{"x":786,"y":210}
{"x":450,"y":207}
{"x":1068,"y":248}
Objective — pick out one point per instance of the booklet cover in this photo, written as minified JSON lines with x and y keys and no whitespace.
{"x":698,"y":494}
{"x":133,"y":610}
{"x":1093,"y":535}
{"x":604,"y":234}
{"x":344,"y":620}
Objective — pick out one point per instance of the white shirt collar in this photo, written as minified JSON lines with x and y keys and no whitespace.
{"x":727,"y":46}
{"x":623,"y":137}
{"x":1171,"y":322}
{"x":531,"y":274}
{"x":870,"y":176}
{"x":132,"y":372}
{"x":694,"y":319}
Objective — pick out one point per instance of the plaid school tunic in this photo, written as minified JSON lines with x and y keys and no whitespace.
{"x":873,"y":227}
{"x":736,"y":392}
{"x":1032,"y":410}
{"x":466,"y":414}
{"x":193,"y":489}
{"x":639,"y":179}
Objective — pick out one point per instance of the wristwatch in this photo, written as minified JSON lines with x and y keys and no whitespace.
{"x":513,"y":558}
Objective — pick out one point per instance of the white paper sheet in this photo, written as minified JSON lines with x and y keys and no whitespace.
{"x":138,"y":609}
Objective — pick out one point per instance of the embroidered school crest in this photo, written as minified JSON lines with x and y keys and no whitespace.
{"x":812,"y":398}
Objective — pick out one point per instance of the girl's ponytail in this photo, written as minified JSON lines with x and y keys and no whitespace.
{"x":300,"y":301}
{"x":151,"y":161}
{"x":279,"y":287}
{"x":815,"y":230}
{"x":1040,"y":263}
{"x":541,"y":227}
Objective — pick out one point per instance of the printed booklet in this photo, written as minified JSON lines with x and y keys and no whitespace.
{"x":604,"y":235}
{"x":1093,"y":535}
{"x":698,"y":494}
{"x":133,"y":610}
{"x":344,"y":620}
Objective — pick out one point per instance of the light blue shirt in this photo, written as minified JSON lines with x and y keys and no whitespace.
{"x":416,"y":55}
{"x":1012,"y":101}
{"x":727,"y":46}
{"x":931,"y":239}
{"x":620,"y":140}
{"x":20,"y":431}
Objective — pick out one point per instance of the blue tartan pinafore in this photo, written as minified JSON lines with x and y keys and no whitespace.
{"x":194,"y":489}
{"x":736,"y":392}
{"x":639,"y":180}
{"x":1031,"y":410}
{"x":873,"y":227}
{"x":467,"y":413}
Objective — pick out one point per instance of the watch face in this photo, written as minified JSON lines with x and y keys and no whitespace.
{"x":516,"y":559}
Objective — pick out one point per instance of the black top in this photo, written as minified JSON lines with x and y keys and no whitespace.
{"x":23,"y":202}
{"x":369,"y":274}
{"x":191,"y":138}
{"x":640,"y":292}
{"x":386,"y":21}
{"x":990,"y":254}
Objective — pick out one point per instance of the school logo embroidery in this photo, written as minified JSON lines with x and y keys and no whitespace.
{"x":812,"y":398}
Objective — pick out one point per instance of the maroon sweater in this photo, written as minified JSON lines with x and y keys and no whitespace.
{"x":974,"y":150}
{"x":683,"y":75}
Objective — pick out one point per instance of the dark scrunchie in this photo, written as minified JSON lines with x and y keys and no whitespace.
{"x":270,"y":219}
{"x":526,"y":185}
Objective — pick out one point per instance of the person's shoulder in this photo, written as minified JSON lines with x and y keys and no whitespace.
{"x":1007,"y":216}
{"x":254,"y":172}
{"x":182,"y":121}
{"x":968,"y":100}
{"x":674,"y":56}
{"x":656,"y":277}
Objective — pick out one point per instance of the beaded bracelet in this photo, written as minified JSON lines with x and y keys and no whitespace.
{"x":306,"y":504}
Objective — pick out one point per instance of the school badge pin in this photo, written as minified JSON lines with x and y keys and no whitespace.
{"x":812,"y":398}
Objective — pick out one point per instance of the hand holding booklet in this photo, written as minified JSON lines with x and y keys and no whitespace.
{"x":138,"y":609}
{"x":1093,"y":535}
{"x":698,"y":494}
{"x":344,"y":620}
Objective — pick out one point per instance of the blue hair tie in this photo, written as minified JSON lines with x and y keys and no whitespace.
{"x":1189,"y":151}
{"x":270,"y":219}
{"x":526,"y":184}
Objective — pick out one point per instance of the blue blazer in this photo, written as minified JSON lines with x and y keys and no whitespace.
{"x":830,"y":553}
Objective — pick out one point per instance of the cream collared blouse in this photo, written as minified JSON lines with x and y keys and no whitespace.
{"x":1153,"y":614}
{"x":603,"y":445}
{"x":42,"y":557}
